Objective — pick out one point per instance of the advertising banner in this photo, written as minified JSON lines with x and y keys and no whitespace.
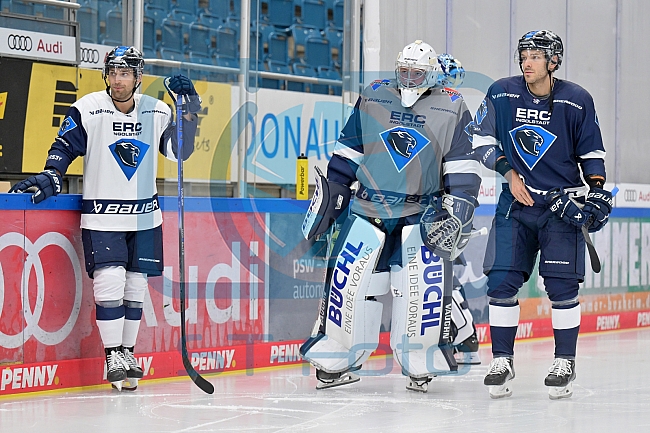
{"x":38,"y":46}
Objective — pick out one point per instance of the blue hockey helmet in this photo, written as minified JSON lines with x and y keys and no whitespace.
{"x":543,"y":40}
{"x":124,"y":57}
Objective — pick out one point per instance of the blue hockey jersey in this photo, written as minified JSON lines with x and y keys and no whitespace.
{"x":546,"y":148}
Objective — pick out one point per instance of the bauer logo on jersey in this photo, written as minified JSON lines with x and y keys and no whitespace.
{"x":128,"y":154}
{"x":531,"y":143}
{"x":403,"y":144}
{"x":67,"y":125}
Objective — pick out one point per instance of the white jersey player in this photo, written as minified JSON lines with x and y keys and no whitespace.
{"x":405,"y":146}
{"x":119,"y":133}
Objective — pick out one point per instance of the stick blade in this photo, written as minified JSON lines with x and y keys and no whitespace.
{"x":198,"y":380}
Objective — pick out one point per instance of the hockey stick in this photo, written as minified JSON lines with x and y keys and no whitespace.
{"x":593,"y":254}
{"x":196,"y":377}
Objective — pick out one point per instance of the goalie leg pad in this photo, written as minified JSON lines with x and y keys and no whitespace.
{"x":462,"y":317}
{"x":422,"y":310}
{"x":330,"y":199}
{"x":350,"y":317}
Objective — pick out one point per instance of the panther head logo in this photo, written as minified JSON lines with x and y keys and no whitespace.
{"x":128,"y":153}
{"x":529,"y":140}
{"x":402,"y":142}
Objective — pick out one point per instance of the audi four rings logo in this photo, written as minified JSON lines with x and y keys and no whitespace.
{"x":89,"y":55}
{"x":48,"y":337}
{"x":19,"y":42}
{"x":630,"y":195}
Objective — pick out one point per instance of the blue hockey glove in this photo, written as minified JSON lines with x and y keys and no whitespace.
{"x":446,"y":227}
{"x":564,"y":208}
{"x":599,"y":204}
{"x":43,"y":185}
{"x":181,"y":85}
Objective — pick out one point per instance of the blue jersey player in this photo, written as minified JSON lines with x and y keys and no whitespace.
{"x":542,"y":135}
{"x":117,"y":132}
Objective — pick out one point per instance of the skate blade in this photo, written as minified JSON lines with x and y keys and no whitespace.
{"x":500,"y":391}
{"x":346,"y":379}
{"x":559,"y":392}
{"x":418,"y":388}
{"x":117,"y":386}
{"x":467,"y":358}
{"x":130,"y":384}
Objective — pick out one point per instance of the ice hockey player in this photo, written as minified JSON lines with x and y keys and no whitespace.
{"x":542,"y":134}
{"x":117,"y":132}
{"x":405,"y":145}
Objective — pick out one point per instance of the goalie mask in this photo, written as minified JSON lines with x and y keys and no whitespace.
{"x":416,"y":69}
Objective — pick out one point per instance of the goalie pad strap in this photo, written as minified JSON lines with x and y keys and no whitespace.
{"x":330,"y":199}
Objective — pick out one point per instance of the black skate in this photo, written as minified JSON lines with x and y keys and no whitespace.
{"x":330,"y":380}
{"x":116,"y":366}
{"x":560,"y":378}
{"x":134,"y":373}
{"x":466,"y":353}
{"x":500,"y":372}
{"x":419,"y":384}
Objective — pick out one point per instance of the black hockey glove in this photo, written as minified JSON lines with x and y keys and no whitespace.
{"x":599,"y":204}
{"x":181,"y":85}
{"x":564,"y":208}
{"x":43,"y":185}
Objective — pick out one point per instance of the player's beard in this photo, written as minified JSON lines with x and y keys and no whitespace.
{"x":123,"y":93}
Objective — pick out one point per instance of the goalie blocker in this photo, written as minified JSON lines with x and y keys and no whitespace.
{"x":330,"y":199}
{"x":347,"y":330}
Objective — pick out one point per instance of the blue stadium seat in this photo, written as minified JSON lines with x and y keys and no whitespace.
{"x":113,"y":34}
{"x":53,"y":12}
{"x":337,"y":14}
{"x":226,"y":39}
{"x":330,"y":74}
{"x":219,"y":8}
{"x":299,"y":35}
{"x":165,"y":5}
{"x":172,"y":36}
{"x":189,"y":6}
{"x":210,"y":21}
{"x":278,"y":47}
{"x":227,"y":62}
{"x":281,"y":13}
{"x":148,"y":38}
{"x":200,"y":74}
{"x":304,"y":71}
{"x":185,"y":18}
{"x":314,"y":14}
{"x":19,"y":7}
{"x":156,"y":14}
{"x":260,"y":32}
{"x":103,"y":7}
{"x":317,"y":52}
{"x":88,"y":24}
{"x":335,"y":36}
{"x":278,"y":68}
{"x":199,"y":41}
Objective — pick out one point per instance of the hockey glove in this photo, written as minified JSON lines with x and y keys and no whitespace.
{"x":181,"y":85}
{"x":451,"y":72}
{"x":599,"y":205}
{"x":43,"y":185}
{"x":330,"y":199}
{"x":564,"y":208}
{"x":446,"y":227}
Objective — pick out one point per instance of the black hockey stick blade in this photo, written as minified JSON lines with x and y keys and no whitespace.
{"x":593,"y":254}
{"x":198,"y":380}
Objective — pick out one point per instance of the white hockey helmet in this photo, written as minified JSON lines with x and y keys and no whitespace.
{"x":416,"y":69}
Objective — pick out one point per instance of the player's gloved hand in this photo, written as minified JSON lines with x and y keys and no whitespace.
{"x":452,"y":72}
{"x":43,"y":185}
{"x":564,"y":208}
{"x":181,"y":85}
{"x":599,"y":205}
{"x":446,"y":227}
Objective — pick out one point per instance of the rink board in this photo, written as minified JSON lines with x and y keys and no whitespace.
{"x":253,"y":287}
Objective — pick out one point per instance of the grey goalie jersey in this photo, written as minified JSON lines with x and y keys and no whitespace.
{"x":120,"y":154}
{"x":402,"y":155}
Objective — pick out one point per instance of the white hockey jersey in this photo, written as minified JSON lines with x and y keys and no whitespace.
{"x":120,"y":159}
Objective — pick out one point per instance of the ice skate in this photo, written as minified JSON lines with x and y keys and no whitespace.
{"x":466,"y":353}
{"x":500,"y":372}
{"x":419,"y":384}
{"x":330,"y":380}
{"x":560,"y":378}
{"x":134,"y":371}
{"x":116,"y":366}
